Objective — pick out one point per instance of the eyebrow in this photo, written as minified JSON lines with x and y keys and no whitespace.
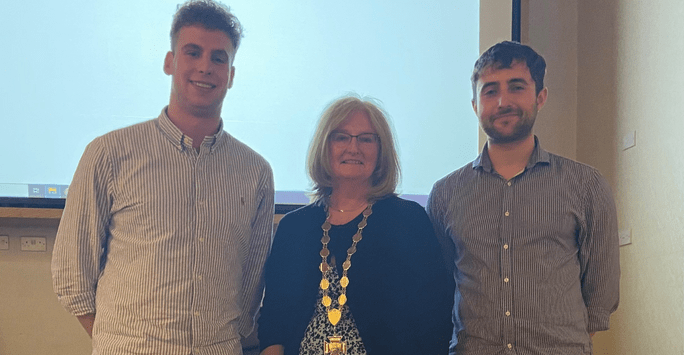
{"x":488,"y":85}
{"x":509,"y":82}
{"x":518,"y":81}
{"x":191,"y":46}
{"x":221,"y":52}
{"x":194,"y":46}
{"x":347,"y":132}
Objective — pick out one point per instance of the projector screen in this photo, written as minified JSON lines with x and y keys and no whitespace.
{"x":75,"y":72}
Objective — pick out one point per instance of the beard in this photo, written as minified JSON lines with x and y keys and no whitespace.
{"x":521,"y":129}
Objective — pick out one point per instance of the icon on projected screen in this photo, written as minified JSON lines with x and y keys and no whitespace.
{"x":35,"y":190}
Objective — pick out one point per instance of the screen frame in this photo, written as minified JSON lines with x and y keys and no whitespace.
{"x":59,"y":203}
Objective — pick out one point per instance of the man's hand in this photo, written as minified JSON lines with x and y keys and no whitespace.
{"x":87,"y":321}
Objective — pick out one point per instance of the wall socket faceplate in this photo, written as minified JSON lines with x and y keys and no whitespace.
{"x":4,"y":242}
{"x":629,"y":140}
{"x":33,"y":244}
{"x":625,"y":236}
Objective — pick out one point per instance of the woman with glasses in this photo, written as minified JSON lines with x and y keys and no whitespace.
{"x":358,"y":271}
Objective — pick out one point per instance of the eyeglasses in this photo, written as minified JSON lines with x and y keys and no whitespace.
{"x":364,"y":139}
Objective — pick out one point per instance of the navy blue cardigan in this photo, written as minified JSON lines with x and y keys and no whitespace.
{"x":400,"y":293}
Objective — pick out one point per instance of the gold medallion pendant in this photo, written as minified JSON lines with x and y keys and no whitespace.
{"x":334,"y":316}
{"x":335,"y":346}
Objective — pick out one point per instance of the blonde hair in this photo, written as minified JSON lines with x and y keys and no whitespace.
{"x":386,"y":175}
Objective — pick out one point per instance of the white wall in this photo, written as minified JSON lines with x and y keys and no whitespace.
{"x":552,"y":31}
{"x":618,"y":60}
{"x":31,"y":320}
{"x":650,"y":177}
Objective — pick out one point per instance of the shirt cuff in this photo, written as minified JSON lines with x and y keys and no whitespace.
{"x":599,"y":320}
{"x":79,"y":304}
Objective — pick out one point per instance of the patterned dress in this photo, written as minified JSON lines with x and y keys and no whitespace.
{"x":320,"y":329}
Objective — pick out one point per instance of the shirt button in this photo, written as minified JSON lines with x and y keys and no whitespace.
{"x":508,"y":314}
{"x":509,"y":183}
{"x":197,"y":314}
{"x":201,"y":239}
{"x":510,"y":346}
{"x":199,"y":277}
{"x":506,"y":279}
{"x":507,"y":214}
{"x":506,"y":246}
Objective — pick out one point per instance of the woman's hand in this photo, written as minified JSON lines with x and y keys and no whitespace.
{"x":273,"y":350}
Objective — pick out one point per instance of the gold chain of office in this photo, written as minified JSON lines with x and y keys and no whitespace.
{"x":336,"y":346}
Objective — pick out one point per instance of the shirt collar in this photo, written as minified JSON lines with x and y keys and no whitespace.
{"x":180,"y":140}
{"x":538,"y":156}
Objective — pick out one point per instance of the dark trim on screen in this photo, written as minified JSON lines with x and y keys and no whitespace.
{"x":58,"y":203}
{"x":515,"y":21}
{"x":32,"y":202}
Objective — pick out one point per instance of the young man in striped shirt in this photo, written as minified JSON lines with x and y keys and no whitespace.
{"x":168,"y":222}
{"x":531,"y":236}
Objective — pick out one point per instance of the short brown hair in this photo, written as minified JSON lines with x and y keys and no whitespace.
{"x":503,"y":55}
{"x":209,"y":14}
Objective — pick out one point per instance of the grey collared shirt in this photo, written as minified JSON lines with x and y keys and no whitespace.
{"x":166,"y":244}
{"x":535,"y":258}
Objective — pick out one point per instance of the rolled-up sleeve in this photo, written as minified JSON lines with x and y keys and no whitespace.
{"x":259,"y":249}
{"x":82,"y":234}
{"x":599,"y":254}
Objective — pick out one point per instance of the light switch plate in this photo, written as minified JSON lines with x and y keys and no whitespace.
{"x":4,"y":242}
{"x":629,"y":140}
{"x":625,"y":237}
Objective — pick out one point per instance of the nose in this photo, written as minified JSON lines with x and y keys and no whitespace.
{"x":353,"y":145}
{"x":205,"y":66}
{"x":504,"y":101}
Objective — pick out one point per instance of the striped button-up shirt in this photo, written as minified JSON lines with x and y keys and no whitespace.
{"x":535,"y":257}
{"x":164,"y":243}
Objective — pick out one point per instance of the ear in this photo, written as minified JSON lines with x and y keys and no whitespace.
{"x":474,"y":103}
{"x":232,"y":75}
{"x":168,"y":63}
{"x":541,"y":98}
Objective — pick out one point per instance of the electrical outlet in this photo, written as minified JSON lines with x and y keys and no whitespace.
{"x":4,"y":242}
{"x":33,"y":244}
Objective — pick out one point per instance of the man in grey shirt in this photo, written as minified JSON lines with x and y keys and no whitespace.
{"x":530,"y":236}
{"x":168,"y":222}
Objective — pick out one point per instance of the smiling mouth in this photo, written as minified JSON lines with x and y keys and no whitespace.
{"x":504,"y":117}
{"x":356,"y":162}
{"x":508,"y":114}
{"x":203,"y":85}
{"x":511,"y":112}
